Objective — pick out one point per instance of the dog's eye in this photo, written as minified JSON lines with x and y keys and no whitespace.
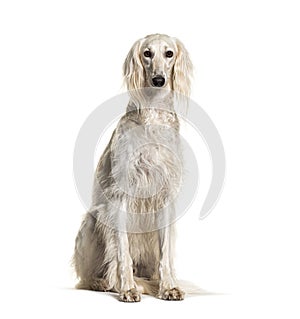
{"x":147,"y":54}
{"x":169,"y":54}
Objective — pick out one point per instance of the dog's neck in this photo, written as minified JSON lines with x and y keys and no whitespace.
{"x":151,"y":98}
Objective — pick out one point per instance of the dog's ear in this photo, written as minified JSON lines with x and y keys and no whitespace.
{"x":133,"y":69}
{"x":182,"y":71}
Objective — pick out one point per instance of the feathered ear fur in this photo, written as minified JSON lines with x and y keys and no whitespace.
{"x":182,"y":73}
{"x":133,"y":69}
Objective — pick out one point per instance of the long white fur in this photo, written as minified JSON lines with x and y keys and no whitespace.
{"x":136,"y":181}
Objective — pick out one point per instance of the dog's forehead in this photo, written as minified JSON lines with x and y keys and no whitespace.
{"x":159,"y":43}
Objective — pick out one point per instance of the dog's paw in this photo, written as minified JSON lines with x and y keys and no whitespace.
{"x":99,"y":284}
{"x":171,"y":294}
{"x":131,"y":295}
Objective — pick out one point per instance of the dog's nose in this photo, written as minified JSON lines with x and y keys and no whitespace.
{"x":158,"y":81}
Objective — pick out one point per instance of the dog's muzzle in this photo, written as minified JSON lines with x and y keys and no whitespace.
{"x":158,"y":81}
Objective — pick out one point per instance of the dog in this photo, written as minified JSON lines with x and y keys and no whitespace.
{"x":126,"y":240}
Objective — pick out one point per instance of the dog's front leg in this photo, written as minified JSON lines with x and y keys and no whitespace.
{"x":168,"y":289}
{"x":128,"y":290}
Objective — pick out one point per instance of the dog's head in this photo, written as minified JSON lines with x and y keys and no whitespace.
{"x":158,"y":61}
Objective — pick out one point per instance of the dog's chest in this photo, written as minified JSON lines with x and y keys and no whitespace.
{"x":147,"y":155}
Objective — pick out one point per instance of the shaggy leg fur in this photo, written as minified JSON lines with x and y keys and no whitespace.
{"x":168,"y":289}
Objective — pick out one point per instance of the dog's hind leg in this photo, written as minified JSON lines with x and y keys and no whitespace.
{"x":96,"y":284}
{"x":89,"y":256}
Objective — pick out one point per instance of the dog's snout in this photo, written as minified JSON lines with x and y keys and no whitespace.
{"x":158,"y":81}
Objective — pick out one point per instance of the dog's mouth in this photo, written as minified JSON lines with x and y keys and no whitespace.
{"x":158,"y":81}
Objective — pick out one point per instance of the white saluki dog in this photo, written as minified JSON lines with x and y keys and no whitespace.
{"x":125,"y":243}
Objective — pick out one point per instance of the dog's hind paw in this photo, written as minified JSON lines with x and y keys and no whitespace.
{"x":99,"y":284}
{"x":171,"y":294}
{"x":131,"y":295}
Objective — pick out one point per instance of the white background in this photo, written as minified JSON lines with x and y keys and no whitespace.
{"x":61,"y":59}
